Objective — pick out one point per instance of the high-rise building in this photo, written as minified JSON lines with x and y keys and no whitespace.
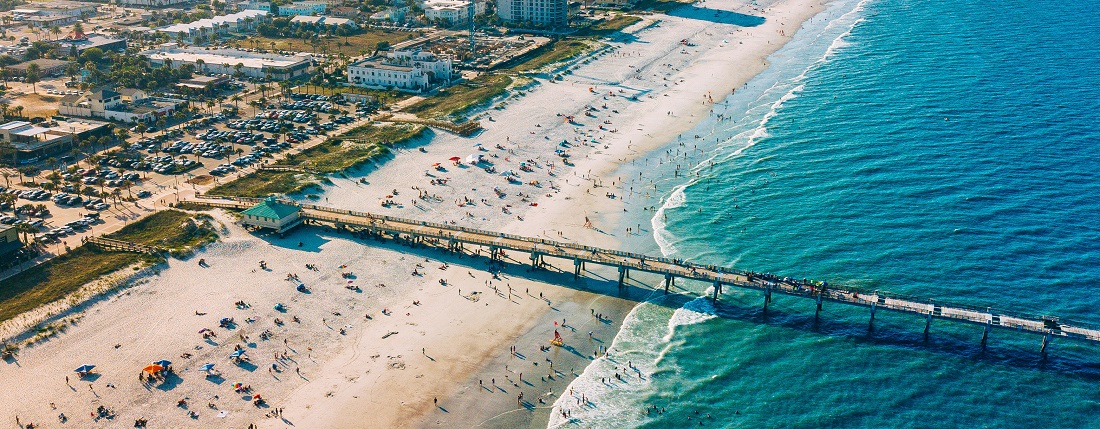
{"x":538,"y":13}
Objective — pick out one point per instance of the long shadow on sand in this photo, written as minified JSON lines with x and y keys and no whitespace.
{"x":835,"y":322}
{"x":716,"y":16}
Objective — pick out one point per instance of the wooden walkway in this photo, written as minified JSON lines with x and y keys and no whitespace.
{"x":112,"y":245}
{"x":455,"y":238}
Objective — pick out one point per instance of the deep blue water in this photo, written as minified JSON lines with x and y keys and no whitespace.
{"x":947,"y":150}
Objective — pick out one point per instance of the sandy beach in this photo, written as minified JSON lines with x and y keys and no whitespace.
{"x":373,"y":344}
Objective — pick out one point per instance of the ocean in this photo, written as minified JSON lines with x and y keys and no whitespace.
{"x":946,"y":150}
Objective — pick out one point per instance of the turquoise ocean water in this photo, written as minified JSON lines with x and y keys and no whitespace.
{"x":941,"y":149}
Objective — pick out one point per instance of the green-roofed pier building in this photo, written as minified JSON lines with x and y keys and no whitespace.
{"x":272,"y":214}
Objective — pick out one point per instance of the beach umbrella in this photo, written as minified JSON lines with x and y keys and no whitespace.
{"x":455,"y":158}
{"x":205,"y":330}
{"x":206,"y":367}
{"x":153,"y":369}
{"x":237,"y":354}
{"x":163,"y":362}
{"x":255,"y":397}
{"x":435,"y":165}
{"x":84,"y":368}
{"x":238,"y":385}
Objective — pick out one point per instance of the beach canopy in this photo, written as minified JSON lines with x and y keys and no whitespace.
{"x":153,"y":369}
{"x":163,"y":362}
{"x":237,"y":353}
{"x":84,"y":368}
{"x":206,"y":367}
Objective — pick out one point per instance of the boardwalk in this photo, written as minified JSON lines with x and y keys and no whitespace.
{"x":537,"y":249}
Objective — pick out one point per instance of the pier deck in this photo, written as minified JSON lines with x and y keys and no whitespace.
{"x":455,"y":237}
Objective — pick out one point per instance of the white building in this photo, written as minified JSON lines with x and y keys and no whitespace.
{"x":323,"y":20}
{"x":225,"y":61}
{"x":240,"y":22}
{"x":452,"y":11}
{"x":540,"y":13}
{"x":126,"y":105}
{"x":405,"y":70}
{"x":150,"y":3}
{"x":301,"y":8}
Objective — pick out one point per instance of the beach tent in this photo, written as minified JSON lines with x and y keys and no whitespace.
{"x":84,"y":369}
{"x":163,"y":362}
{"x":473,"y":159}
{"x":153,"y":369}
{"x":206,"y":367}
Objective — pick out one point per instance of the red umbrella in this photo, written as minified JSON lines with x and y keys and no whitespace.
{"x":455,"y":158}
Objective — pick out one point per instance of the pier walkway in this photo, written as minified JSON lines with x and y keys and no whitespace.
{"x":456,"y":238}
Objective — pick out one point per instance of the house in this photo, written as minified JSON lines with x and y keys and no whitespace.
{"x":124,"y":105}
{"x":404,"y":70}
{"x":272,"y":214}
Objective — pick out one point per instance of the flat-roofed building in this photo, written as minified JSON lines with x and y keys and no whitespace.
{"x":225,"y":61}
{"x":538,"y":13}
{"x":88,"y":41}
{"x":405,"y":70}
{"x":452,"y":11}
{"x":272,"y":214}
{"x":323,"y":20}
{"x":152,"y":3}
{"x":35,"y":141}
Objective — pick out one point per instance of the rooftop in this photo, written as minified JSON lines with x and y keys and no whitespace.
{"x":215,"y":21}
{"x":269,"y":208}
{"x":225,"y":56}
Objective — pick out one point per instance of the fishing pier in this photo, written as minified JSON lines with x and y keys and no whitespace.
{"x":456,"y":238}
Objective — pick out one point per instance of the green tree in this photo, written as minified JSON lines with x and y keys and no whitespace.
{"x":33,"y":76}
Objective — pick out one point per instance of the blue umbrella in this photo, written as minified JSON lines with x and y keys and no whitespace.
{"x":206,"y":367}
{"x":84,"y":368}
{"x":237,"y":354}
{"x":163,"y":362}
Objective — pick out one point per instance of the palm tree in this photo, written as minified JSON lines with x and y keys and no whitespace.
{"x":236,"y":99}
{"x":263,"y":89}
{"x":7,"y":178}
{"x":56,"y":31}
{"x":27,"y":230}
{"x":33,"y":76}
{"x":141,"y":128}
{"x":122,"y":133}
{"x":127,"y":184}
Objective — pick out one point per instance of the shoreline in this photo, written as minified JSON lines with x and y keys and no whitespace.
{"x":347,"y":361}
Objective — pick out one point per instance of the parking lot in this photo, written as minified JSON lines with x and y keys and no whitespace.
{"x":200,"y":152}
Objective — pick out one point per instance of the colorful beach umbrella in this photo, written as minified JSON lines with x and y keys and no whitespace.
{"x":163,"y":362}
{"x":455,"y":158}
{"x":153,"y":369}
{"x":84,"y":368}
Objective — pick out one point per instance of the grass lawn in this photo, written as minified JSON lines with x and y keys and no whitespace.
{"x":457,"y":99}
{"x":356,"y":45}
{"x":163,"y":229}
{"x":336,"y":154}
{"x":553,"y":53}
{"x":353,"y":148}
{"x":65,"y":274}
{"x":263,"y":183}
{"x":609,"y":26}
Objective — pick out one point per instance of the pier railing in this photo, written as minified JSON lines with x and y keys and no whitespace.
{"x":674,"y":268}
